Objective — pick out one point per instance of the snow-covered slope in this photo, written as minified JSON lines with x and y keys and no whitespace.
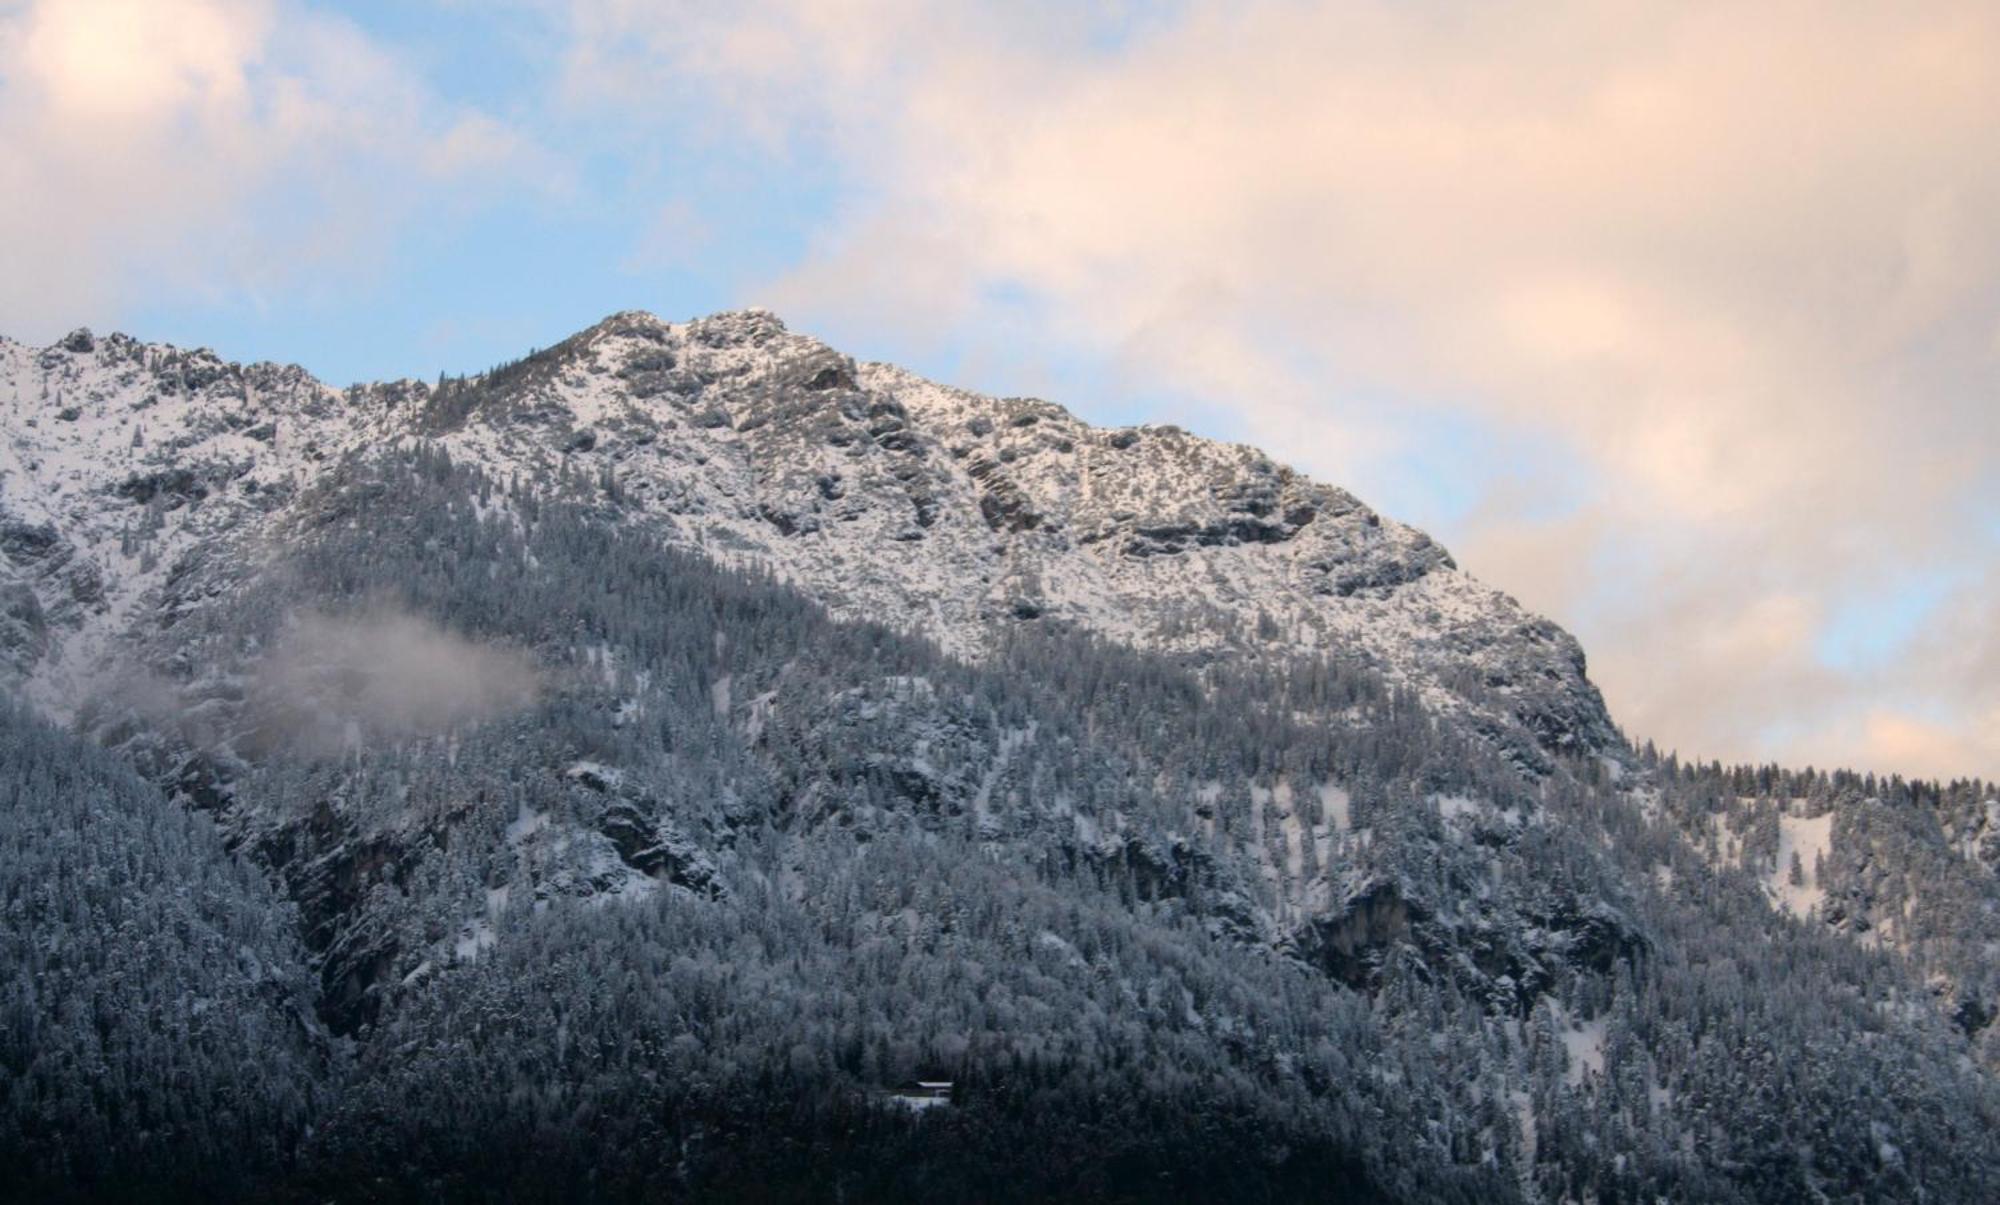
{"x":120,"y":460}
{"x":883,"y":495}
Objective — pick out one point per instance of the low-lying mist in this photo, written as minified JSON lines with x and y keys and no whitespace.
{"x":334,"y":681}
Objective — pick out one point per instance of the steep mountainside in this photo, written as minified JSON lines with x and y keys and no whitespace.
{"x":667,"y":745}
{"x":946,"y":514}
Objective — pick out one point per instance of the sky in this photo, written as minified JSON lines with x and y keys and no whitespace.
{"x":1679,"y":322}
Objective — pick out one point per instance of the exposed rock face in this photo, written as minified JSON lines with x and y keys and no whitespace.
{"x":884,"y":495}
{"x":1351,"y":943}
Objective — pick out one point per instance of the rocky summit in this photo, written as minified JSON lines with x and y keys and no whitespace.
{"x":943,"y":513}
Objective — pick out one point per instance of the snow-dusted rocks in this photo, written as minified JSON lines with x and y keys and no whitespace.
{"x":885,"y":496}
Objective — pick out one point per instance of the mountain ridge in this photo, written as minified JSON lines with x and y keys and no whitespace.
{"x":777,"y":449}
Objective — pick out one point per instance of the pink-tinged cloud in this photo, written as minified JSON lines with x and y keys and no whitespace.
{"x":1733,"y":266}
{"x":210,"y":147}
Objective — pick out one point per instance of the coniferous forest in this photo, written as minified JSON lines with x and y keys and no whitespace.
{"x":678,"y":921}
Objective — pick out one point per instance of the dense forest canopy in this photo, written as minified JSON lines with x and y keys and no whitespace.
{"x":676,"y":919}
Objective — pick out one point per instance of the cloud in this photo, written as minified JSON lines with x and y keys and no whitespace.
{"x":203,"y":148}
{"x":674,"y":237}
{"x":1731,"y":266}
{"x":334,"y":681}
{"x":1898,"y":740}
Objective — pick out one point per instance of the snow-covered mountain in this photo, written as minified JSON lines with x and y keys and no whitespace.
{"x":885,"y":496}
{"x":629,"y":767}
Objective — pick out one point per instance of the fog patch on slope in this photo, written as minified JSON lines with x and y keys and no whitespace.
{"x":332,"y":682}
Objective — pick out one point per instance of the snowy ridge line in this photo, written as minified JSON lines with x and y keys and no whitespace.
{"x":885,"y":496}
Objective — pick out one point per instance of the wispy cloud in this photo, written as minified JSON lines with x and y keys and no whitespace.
{"x":1731,"y":265}
{"x":212,"y":146}
{"x":332,"y":681}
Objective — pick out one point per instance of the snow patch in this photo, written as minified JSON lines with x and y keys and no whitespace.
{"x":1338,"y":806}
{"x":1810,"y":839}
{"x":479,"y":937}
{"x":1455,"y":807}
{"x":595,"y":775}
{"x":1583,"y":1043}
{"x":526,"y":824}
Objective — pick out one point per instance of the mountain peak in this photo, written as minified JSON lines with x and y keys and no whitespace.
{"x":748,"y":322}
{"x":948,"y":513}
